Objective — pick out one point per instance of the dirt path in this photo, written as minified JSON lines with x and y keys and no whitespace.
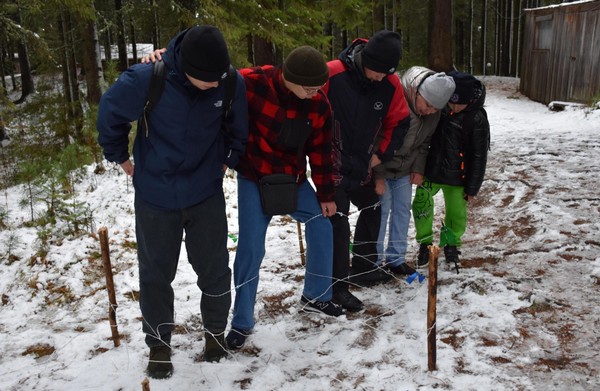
{"x":540,"y":210}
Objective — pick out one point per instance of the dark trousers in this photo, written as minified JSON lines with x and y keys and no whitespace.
{"x":366,"y":232}
{"x":159,"y":234}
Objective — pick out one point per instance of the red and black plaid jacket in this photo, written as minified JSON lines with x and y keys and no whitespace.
{"x":270,"y":103}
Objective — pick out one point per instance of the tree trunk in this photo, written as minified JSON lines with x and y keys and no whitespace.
{"x":471,"y":17}
{"x":498,"y":41}
{"x":27,"y":86}
{"x":2,"y":129}
{"x":484,"y":38}
{"x":73,"y":111}
{"x":263,"y":52}
{"x":3,"y":71}
{"x":132,"y":38}
{"x":155,"y":31}
{"x":440,"y":37}
{"x":77,"y":110}
{"x":91,"y":67}
{"x":518,"y":44}
{"x":121,"y":45}
{"x":64,"y":61}
{"x":459,"y":38}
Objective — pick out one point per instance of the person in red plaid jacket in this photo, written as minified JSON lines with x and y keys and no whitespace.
{"x":289,"y":120}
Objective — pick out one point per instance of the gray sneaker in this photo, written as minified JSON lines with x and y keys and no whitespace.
{"x":322,"y":307}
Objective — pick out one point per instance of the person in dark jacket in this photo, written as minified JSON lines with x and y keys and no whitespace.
{"x":370,"y":120}
{"x":456,"y":165}
{"x":180,"y":153}
{"x":290,"y":120}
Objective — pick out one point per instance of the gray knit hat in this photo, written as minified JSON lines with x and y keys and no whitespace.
{"x":437,"y":89}
{"x":306,"y":66}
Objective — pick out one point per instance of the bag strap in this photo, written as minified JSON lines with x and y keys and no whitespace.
{"x":157,"y":85}
{"x":230,"y":81}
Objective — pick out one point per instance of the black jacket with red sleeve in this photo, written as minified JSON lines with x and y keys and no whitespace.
{"x":370,"y":117}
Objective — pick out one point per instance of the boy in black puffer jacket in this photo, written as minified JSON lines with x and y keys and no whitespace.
{"x":456,"y":165}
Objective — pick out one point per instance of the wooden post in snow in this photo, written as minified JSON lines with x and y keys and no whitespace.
{"x":146,"y":384}
{"x":110,"y":286}
{"x":302,"y":254}
{"x":434,"y":252}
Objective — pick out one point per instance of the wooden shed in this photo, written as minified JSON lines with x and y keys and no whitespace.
{"x":561,"y":53}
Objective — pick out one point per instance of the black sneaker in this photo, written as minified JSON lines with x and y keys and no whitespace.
{"x":347,"y":300}
{"x":236,"y":338}
{"x":369,"y":278}
{"x":423,"y":259}
{"x":451,"y":254}
{"x":324,"y":307}
{"x":403,"y":270}
{"x":214,"y":348}
{"x":159,"y":363}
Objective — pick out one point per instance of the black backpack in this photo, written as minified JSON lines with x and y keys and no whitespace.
{"x":157,"y":85}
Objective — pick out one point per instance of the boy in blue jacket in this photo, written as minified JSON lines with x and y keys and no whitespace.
{"x":180,"y":155}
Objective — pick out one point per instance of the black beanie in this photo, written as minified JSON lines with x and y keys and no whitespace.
{"x":305,"y":66}
{"x":203,"y":54}
{"x":467,"y":88}
{"x":383,"y":52}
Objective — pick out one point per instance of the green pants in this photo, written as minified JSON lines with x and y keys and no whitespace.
{"x":455,"y":221}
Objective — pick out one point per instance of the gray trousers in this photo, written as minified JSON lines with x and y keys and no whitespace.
{"x":159,"y":234}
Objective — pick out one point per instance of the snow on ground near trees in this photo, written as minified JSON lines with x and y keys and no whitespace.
{"x":522,"y":314}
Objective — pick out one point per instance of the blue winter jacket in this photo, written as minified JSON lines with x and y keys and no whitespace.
{"x":179,"y":160}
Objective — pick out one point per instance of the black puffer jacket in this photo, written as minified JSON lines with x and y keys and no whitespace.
{"x":459,"y":146}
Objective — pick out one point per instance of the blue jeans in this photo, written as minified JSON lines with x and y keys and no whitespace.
{"x":253,"y":224}
{"x":395,"y":206}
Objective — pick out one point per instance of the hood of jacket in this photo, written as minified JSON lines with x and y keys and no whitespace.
{"x":351,"y":58}
{"x":480,"y":101}
{"x":171,"y":57}
{"x":411,"y":81}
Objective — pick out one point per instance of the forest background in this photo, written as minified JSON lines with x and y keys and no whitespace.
{"x":58,"y":56}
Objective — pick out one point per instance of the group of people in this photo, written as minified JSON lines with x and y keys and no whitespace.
{"x":367,"y":140}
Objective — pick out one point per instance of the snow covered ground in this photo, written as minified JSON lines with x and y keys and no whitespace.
{"x":522,"y":314}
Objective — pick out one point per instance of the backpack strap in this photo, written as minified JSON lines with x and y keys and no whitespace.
{"x":157,"y":85}
{"x":229,"y":90}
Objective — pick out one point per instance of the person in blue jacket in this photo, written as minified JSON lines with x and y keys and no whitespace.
{"x":180,"y":154}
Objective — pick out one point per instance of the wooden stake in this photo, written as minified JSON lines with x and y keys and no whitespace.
{"x":146,"y":384}
{"x":110,"y":286}
{"x":434,"y":252}
{"x":302,"y":254}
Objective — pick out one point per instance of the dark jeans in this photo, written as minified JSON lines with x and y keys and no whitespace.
{"x":366,"y":232}
{"x":159,"y":234}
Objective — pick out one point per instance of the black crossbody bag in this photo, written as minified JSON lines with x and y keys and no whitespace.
{"x":279,"y":192}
